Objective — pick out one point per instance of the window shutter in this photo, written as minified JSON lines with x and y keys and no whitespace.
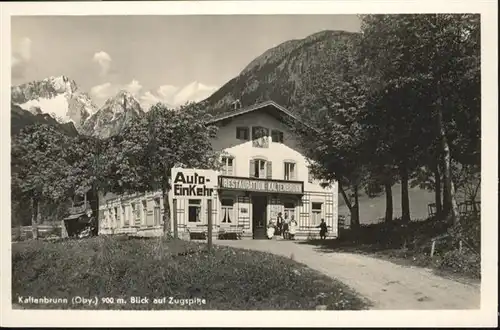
{"x":269,"y":170}
{"x":231,"y":172}
{"x":252,"y":168}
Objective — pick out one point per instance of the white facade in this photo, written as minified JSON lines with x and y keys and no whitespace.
{"x":274,"y":160}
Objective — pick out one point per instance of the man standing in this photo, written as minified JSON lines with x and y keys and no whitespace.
{"x":323,"y":229}
{"x":279,"y":224}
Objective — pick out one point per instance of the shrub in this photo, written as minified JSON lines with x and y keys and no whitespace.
{"x":464,"y":262}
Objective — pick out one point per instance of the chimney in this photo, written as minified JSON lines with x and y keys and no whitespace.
{"x":236,"y":104}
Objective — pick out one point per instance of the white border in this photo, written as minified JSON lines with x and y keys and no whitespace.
{"x":486,"y":316}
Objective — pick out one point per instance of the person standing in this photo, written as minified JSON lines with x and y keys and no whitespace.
{"x":279,"y":224}
{"x":285,"y":228}
{"x":270,"y":230}
{"x":293,"y":228}
{"x":323,"y":229}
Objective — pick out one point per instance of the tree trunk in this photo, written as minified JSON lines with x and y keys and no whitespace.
{"x":35,"y":210}
{"x":455,"y":216}
{"x":166,"y":212}
{"x":388,"y":201}
{"x":405,"y":198}
{"x":346,"y":199}
{"x":437,"y":190}
{"x":355,"y":209}
{"x":446,"y":197}
{"x":94,"y":204}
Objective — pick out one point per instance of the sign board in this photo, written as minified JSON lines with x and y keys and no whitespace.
{"x":193,"y":183}
{"x":259,"y":185}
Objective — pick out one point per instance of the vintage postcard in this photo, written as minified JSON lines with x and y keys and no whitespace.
{"x":249,"y":163}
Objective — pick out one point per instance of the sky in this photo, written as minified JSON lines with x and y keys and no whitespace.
{"x":172,"y":59}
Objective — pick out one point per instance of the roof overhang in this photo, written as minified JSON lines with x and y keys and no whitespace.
{"x":271,"y":107}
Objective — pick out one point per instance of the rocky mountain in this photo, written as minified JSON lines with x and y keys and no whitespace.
{"x":278,"y":74}
{"x":57,"y":96}
{"x":19,"y":118}
{"x":116,"y":113}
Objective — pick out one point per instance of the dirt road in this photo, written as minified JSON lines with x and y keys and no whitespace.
{"x":386,"y":285}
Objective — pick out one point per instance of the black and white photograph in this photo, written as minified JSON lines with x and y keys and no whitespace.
{"x":336,"y":166}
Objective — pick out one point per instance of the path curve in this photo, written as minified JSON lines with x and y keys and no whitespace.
{"x":385,"y":284}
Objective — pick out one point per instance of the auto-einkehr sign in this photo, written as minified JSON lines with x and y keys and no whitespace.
{"x":190,"y":182}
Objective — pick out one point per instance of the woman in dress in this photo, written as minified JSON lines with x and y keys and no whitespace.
{"x":270,"y":230}
{"x":293,"y":228}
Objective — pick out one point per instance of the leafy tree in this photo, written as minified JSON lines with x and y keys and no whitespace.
{"x":335,"y":95}
{"x":420,"y":65}
{"x":165,"y":138}
{"x":39,"y":166}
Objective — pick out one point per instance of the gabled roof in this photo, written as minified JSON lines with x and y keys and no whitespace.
{"x":267,"y":104}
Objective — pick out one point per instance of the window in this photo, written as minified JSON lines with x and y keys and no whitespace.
{"x":289,"y":211}
{"x":117,"y":217}
{"x":227,"y":210}
{"x":157,"y":212}
{"x":227,"y":165}
{"x":144,"y":213}
{"x":242,"y":133}
{"x":124,"y":215}
{"x":194,"y":210}
{"x":260,"y":137}
{"x":136,"y":213}
{"x":316,"y":212}
{"x":277,"y":136}
{"x":290,"y":169}
{"x":260,"y":168}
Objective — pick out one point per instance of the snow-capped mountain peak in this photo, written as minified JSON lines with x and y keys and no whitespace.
{"x":57,"y":96}
{"x":62,"y":84}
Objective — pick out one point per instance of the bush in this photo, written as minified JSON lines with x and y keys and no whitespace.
{"x":466,"y":262}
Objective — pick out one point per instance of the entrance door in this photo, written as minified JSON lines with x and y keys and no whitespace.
{"x":259,"y":216}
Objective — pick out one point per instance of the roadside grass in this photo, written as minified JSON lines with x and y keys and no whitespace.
{"x":411,"y":246}
{"x":120,"y":267}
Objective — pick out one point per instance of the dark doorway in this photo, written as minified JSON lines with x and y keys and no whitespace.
{"x":259,"y":216}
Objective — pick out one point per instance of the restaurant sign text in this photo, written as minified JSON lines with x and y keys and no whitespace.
{"x":268,"y":186}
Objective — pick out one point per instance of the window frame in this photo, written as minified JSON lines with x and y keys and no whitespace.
{"x":316,"y":211}
{"x":246,"y":133}
{"x":225,"y":165}
{"x":294,"y":176}
{"x":262,"y":141}
{"x":157,"y":206}
{"x":257,"y":162}
{"x":289,"y":210}
{"x":198,"y":205}
{"x":280,"y":136}
{"x":229,"y":208}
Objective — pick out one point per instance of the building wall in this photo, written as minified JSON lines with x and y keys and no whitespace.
{"x":135,"y":213}
{"x":277,"y":153}
{"x":243,"y":152}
